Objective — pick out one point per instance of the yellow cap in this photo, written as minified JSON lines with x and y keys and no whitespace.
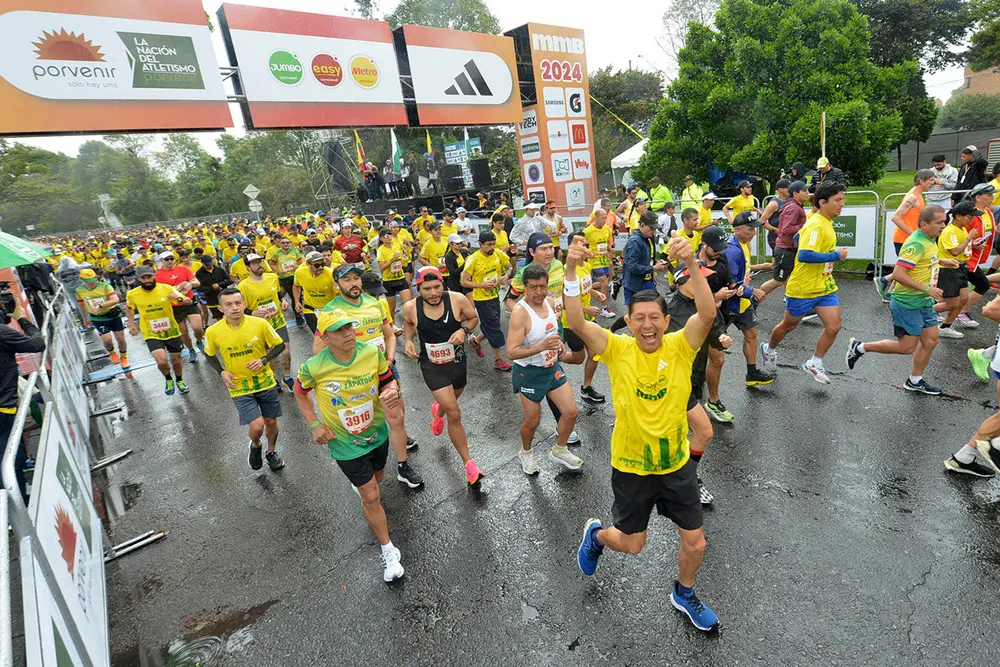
{"x":335,"y":319}
{"x":822,"y":162}
{"x":88,"y":274}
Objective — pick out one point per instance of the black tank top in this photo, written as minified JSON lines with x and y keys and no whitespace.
{"x":437,"y":331}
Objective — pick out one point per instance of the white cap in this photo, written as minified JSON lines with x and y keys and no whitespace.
{"x":454,"y":238}
{"x":460,"y":209}
{"x":253,"y":257}
{"x":708,"y":195}
{"x":310,"y":231}
{"x":167,"y":253}
{"x":335,"y":227}
{"x":532,"y":204}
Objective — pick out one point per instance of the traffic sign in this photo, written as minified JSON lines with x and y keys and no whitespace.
{"x":251,"y":191}
{"x":255,"y":206}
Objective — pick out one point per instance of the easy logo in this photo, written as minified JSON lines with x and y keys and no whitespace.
{"x":327,"y":70}
{"x":285,"y":67}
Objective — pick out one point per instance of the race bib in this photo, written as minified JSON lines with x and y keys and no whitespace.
{"x":828,"y":269}
{"x":95,"y":304}
{"x":440,"y":353}
{"x":160,"y":325}
{"x":557,"y":304}
{"x":934,"y":275}
{"x":396,"y":268}
{"x":287,"y":266}
{"x":602,"y":248}
{"x":268,"y":309}
{"x":379,"y":342}
{"x":357,"y":419}
{"x":441,"y":262}
{"x":549,"y":357}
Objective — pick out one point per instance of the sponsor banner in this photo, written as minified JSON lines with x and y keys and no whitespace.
{"x":561,"y":117}
{"x":108,"y":66}
{"x":534,"y":173}
{"x":312,"y":70}
{"x":459,"y":152}
{"x":462,"y":78}
{"x":531,"y":148}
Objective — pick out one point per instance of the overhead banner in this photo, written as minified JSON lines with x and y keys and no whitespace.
{"x":108,"y":65}
{"x":312,"y":70}
{"x":554,"y":135}
{"x":460,"y":78}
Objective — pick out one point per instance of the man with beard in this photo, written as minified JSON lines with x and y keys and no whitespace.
{"x":262,"y":293}
{"x":181,"y":277}
{"x":313,"y":287}
{"x":154,"y":302}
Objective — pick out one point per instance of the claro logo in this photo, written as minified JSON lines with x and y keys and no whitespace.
{"x":557,"y":44}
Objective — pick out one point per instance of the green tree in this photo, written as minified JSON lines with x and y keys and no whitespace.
{"x":630,"y":94}
{"x":985,"y":43}
{"x":759,"y":119}
{"x":467,"y":15}
{"x":970,"y":112}
{"x":505,"y":166}
{"x":927,"y":31}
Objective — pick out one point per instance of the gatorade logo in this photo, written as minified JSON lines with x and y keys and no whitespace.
{"x":285,"y":67}
{"x":364,"y":71}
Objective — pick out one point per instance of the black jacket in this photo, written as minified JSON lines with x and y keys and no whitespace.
{"x":208,"y":278}
{"x":970,"y":175}
{"x":12,"y":342}
{"x":681,"y":308}
{"x":833,"y":176}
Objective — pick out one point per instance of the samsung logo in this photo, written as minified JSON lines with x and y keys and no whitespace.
{"x":554,"y":43}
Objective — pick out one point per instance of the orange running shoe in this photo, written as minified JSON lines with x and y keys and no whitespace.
{"x":115,"y":359}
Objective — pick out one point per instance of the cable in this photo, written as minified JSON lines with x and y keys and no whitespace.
{"x":615,"y":116}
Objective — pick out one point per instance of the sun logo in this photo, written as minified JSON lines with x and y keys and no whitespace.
{"x":64,"y":45}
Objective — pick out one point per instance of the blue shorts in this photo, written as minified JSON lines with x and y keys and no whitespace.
{"x":801,"y":307}
{"x":598,"y":273}
{"x":911,"y":321}
{"x":649,"y":284}
{"x":263,"y":403}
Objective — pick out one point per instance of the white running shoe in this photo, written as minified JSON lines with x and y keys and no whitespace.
{"x":393,"y":568}
{"x":607,"y":313}
{"x":817,"y":371}
{"x":528,"y":463}
{"x":950,"y":332}
{"x":770,"y":357}
{"x":574,"y":438}
{"x":565,"y":457}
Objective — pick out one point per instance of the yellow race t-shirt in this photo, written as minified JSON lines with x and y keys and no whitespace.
{"x":809,"y":280}
{"x":650,"y":394}
{"x":156,"y":311}
{"x":96,"y":300}
{"x":393,"y":254}
{"x":316,"y":291}
{"x":951,"y":237}
{"x":481,"y":268}
{"x":266,"y":296}
{"x":434,"y":252}
{"x":741,"y":203}
{"x":236,"y":346}
{"x":598,"y":242}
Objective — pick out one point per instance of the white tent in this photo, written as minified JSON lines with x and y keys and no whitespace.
{"x":621,"y":164}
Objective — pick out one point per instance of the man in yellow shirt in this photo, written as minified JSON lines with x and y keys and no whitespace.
{"x":485,"y":271}
{"x":811,"y":285}
{"x":650,"y":457}
{"x":705,"y":210}
{"x":313,"y":287}
{"x":744,"y":201}
{"x":99,"y":303}
{"x":247,"y":344}
{"x":262,"y":293}
{"x":391,"y":259}
{"x":154,"y":302}
{"x":600,"y":241}
{"x":434,"y":249}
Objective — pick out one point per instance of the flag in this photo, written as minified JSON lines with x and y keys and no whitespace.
{"x":467,"y":149}
{"x":430,"y":150}
{"x":397,"y":151}
{"x":360,"y":151}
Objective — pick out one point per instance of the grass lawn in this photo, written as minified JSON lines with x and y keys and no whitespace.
{"x":890,"y":183}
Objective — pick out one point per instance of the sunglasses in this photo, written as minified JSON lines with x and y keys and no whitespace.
{"x":317,"y":265}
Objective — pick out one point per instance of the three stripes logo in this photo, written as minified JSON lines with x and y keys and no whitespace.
{"x":463,"y":85}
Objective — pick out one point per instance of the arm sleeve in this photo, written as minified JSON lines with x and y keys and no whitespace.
{"x":29,"y":341}
{"x":813,"y":257}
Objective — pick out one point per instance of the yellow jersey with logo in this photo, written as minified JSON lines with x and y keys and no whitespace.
{"x":156,"y":311}
{"x":434,"y":252}
{"x":811,"y":280}
{"x":368,"y":313}
{"x":394,"y":255}
{"x":96,"y":300}
{"x":599,"y":243}
{"x":316,"y":290}
{"x":481,"y":268}
{"x":236,"y":346}
{"x":264,"y":295}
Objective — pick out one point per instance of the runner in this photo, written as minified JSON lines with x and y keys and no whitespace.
{"x":375,"y":328}
{"x":349,"y":244}
{"x":353,"y":426}
{"x":284,"y":260}
{"x":212,"y":279}
{"x":433,"y":250}
{"x":650,"y":382}
{"x":791,"y":218}
{"x":392,"y":256}
{"x":744,"y":201}
{"x":247,"y":345}
{"x":912,"y":302}
{"x":905,"y":220}
{"x":442,"y":319}
{"x":313,"y":288}
{"x":577,"y":349}
{"x":955,"y":245}
{"x":100,"y":305}
{"x":982,"y":196}
{"x":181,"y":277}
{"x":535,"y":349}
{"x":154,"y":303}
{"x":773,"y":208}
{"x":713,"y":243}
{"x":262,"y":295}
{"x":485,"y":271}
{"x":811,"y":285}
{"x":600,"y":241}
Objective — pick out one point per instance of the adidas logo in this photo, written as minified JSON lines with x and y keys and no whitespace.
{"x":464,"y":87}
{"x":663,"y":364}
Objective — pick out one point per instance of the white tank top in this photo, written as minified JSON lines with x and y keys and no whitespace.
{"x":541,"y":328}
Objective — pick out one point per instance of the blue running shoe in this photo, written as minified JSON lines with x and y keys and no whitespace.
{"x":168,"y":389}
{"x":590,"y":549}
{"x":701,"y":616}
{"x":290,"y":383}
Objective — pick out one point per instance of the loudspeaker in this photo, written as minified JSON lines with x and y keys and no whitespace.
{"x":481,"y":177}
{"x":450,"y":172}
{"x":340,"y":172}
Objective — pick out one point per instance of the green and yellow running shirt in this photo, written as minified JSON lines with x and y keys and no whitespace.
{"x":810,"y":280}
{"x":285,"y":262}
{"x":348,"y":398}
{"x":264,"y":295}
{"x":919,"y":254}
{"x":368,"y":312}
{"x":251,"y":340}
{"x":96,"y":300}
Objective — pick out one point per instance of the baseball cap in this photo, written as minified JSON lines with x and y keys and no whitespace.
{"x":310,"y":231}
{"x":708,"y":195}
{"x":652,"y":222}
{"x":314,"y":256}
{"x":207,"y":259}
{"x":689,"y":178}
{"x":391,"y":211}
{"x":822,"y":162}
{"x":144,"y":270}
{"x":385,"y":231}
{"x":454,"y":238}
{"x":683,"y":275}
{"x":254,"y":257}
{"x":460,"y":209}
{"x":965,"y":207}
{"x":433,"y":224}
{"x":745,"y":184}
{"x":782,"y":183}
{"x":334,"y":320}
{"x":530,"y":204}
{"x":88,"y":274}
{"x":537,"y":239}
{"x":344,"y":269}
{"x":747,"y":219}
{"x":371,"y":283}
{"x":346,"y":223}
{"x":426,"y":273}
{"x":798,"y":186}
{"x":714,"y":238}
{"x":982,"y":189}
{"x":167,"y":253}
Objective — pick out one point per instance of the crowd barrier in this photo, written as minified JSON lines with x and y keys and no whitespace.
{"x":62,"y":543}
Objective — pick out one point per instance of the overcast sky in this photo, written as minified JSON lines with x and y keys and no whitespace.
{"x":616,"y":35}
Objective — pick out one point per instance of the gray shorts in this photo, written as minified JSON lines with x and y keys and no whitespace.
{"x":744,"y":321}
{"x":259,"y":404}
{"x":283,"y":334}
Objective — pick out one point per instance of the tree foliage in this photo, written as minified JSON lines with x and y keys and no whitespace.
{"x":985,"y":43}
{"x":467,"y":15}
{"x":970,"y":112}
{"x":676,"y":17}
{"x":630,"y":94}
{"x":927,"y":31}
{"x":807,"y":57}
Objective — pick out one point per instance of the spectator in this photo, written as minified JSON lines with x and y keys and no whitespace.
{"x":972,"y":173}
{"x":692,"y":194}
{"x":797,"y":172}
{"x":404,"y":177}
{"x":391,"y":179}
{"x":432,"y":174}
{"x":660,"y":195}
{"x":411,"y":162}
{"x":945,"y":178}
{"x":826,"y":173}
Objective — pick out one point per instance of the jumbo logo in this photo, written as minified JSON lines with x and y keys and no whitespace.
{"x":285,"y":67}
{"x":364,"y":71}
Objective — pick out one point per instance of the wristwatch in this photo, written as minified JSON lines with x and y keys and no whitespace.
{"x":466,"y":329}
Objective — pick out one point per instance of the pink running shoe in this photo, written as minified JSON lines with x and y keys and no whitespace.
{"x":477,"y":346}
{"x":501,"y":365}
{"x":437,"y":423}
{"x":472,"y":472}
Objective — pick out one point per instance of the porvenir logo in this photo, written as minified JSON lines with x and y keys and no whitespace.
{"x":285,"y":67}
{"x":364,"y":71}
{"x":64,"y":45}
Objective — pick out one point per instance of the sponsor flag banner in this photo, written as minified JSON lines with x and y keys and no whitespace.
{"x":108,"y":65}
{"x":312,"y":70}
{"x":554,"y":134}
{"x":461,"y":78}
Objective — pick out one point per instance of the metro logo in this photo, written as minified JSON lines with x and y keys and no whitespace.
{"x":557,"y":44}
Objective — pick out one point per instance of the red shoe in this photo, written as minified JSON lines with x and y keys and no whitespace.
{"x":477,"y":346}
{"x":437,"y":423}
{"x":126,"y":368}
{"x":472,"y":472}
{"x":502,"y":365}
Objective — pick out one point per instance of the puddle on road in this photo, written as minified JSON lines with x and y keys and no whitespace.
{"x":528,"y":613}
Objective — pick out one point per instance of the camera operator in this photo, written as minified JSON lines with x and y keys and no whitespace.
{"x":12,"y":342}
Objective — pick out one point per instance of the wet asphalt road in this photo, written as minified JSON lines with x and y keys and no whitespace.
{"x":836,"y":538}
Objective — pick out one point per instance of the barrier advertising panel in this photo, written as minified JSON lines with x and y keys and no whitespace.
{"x":461,"y":78}
{"x":555,"y":134}
{"x":312,"y":70}
{"x":108,"y":65}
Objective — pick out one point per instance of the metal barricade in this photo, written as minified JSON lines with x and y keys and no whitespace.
{"x":887,"y":254}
